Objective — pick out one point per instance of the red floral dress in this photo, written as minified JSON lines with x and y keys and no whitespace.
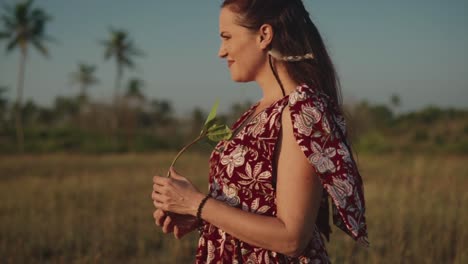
{"x":242,"y":175}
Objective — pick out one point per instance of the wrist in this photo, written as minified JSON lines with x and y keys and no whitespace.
{"x":201,"y":206}
{"x":196,"y":203}
{"x":199,"y":213}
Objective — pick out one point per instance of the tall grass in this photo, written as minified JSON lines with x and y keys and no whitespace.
{"x":97,"y":209}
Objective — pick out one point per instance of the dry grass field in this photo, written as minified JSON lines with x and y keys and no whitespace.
{"x":97,"y":209}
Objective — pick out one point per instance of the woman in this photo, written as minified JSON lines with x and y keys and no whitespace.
{"x":269,"y":185}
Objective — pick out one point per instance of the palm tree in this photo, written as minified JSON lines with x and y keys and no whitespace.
{"x":134,"y":100}
{"x":3,"y":100}
{"x":3,"y":103}
{"x":134,"y":88}
{"x":395,"y":101}
{"x":23,"y":25}
{"x":162,"y":111}
{"x":84,"y":77}
{"x":121,"y":47}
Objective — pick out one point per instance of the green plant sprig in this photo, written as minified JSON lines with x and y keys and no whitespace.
{"x":211,"y":129}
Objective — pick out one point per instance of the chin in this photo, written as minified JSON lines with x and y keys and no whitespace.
{"x":241,"y":79}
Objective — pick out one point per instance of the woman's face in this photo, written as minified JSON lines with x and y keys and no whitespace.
{"x":240,"y":47}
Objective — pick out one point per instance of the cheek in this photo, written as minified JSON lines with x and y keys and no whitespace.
{"x":248,"y":62}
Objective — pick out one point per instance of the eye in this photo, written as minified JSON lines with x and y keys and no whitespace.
{"x":225,"y":36}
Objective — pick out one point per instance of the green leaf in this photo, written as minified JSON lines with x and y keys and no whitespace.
{"x":220,"y":133}
{"x":211,"y":117}
{"x":214,"y":127}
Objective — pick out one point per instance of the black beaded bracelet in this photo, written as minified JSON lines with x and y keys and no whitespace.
{"x":199,"y":211}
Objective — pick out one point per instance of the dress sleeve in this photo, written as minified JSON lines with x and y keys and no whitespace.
{"x":320,"y":132}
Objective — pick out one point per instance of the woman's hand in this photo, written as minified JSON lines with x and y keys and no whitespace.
{"x":176,"y":194}
{"x":178,"y":224}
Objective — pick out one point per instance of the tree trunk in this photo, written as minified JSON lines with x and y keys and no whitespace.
{"x":82,"y":90}
{"x":118,"y":81}
{"x":116,"y":122}
{"x":19,"y":99}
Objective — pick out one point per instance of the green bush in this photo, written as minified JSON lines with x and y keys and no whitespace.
{"x":374,"y":142}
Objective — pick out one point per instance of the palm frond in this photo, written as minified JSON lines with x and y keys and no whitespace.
{"x":128,"y":62}
{"x":22,"y":12}
{"x":120,"y":46}
{"x":134,"y":88}
{"x":38,"y":14}
{"x":84,"y":75}
{"x":25,"y":24}
{"x":39,"y":46}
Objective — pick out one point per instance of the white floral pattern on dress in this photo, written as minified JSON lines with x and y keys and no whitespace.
{"x":344,"y":152}
{"x":321,"y":158}
{"x":229,"y":195}
{"x":256,"y":179}
{"x":259,"y":124}
{"x":211,"y":252}
{"x":296,"y":96}
{"x":339,"y":191}
{"x":306,"y":119}
{"x":235,"y":159}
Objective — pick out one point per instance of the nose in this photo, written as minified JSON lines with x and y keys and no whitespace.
{"x":222,"y":53}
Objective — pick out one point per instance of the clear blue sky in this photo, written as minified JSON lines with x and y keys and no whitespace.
{"x":417,"y":49}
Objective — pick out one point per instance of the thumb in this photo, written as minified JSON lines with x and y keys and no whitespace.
{"x":175,"y":174}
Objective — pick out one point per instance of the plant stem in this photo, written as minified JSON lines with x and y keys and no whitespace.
{"x":183,"y":150}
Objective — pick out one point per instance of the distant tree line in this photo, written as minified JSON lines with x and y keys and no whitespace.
{"x":133,"y":122}
{"x":78,"y":124}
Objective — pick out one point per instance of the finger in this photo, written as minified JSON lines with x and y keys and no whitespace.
{"x":160,"y":180}
{"x":177,"y":234}
{"x":168,"y":227}
{"x":153,"y":196}
{"x":157,"y":188}
{"x":159,"y":197}
{"x":159,"y":216}
{"x":162,"y":216}
{"x":159,"y":205}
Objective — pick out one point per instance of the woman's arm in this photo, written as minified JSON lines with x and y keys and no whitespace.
{"x":298,"y":199}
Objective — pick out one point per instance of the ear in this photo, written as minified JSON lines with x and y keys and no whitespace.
{"x":265,"y":36}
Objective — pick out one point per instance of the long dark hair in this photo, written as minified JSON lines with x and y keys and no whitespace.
{"x":294,"y":34}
